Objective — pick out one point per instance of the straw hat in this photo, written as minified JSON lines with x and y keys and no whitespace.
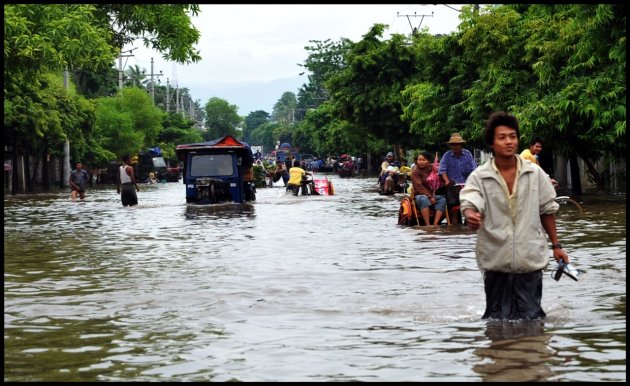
{"x":456,"y":138}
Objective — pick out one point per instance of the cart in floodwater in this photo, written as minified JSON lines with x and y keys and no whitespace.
{"x":217,"y":171}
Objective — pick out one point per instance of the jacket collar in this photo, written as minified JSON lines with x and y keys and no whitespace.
{"x":489,"y":170}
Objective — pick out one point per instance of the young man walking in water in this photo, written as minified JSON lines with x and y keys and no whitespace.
{"x":78,"y":180}
{"x":510,"y":203}
{"x":126,"y":183}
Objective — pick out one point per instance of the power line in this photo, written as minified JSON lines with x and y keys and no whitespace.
{"x":414,"y":30}
{"x":454,"y":9}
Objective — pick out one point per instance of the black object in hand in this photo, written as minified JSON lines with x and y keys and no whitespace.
{"x":564,"y":268}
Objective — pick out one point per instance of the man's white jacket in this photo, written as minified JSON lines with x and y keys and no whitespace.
{"x":504,"y":243}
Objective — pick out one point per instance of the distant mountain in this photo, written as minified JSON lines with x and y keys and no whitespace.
{"x":248,"y":96}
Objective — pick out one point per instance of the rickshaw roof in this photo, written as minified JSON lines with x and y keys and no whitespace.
{"x":227,"y":141}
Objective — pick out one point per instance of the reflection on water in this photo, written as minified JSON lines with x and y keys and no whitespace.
{"x":231,"y":211}
{"x":518,"y":351}
{"x":321,"y":288}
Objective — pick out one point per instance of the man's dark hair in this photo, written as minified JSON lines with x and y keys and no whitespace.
{"x":536,"y":140}
{"x":126,"y":158}
{"x":500,"y":118}
{"x":296,"y":163}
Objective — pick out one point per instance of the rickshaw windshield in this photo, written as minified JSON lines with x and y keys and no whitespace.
{"x":159,"y":162}
{"x":205,"y":165}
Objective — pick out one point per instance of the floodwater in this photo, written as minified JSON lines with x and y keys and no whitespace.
{"x":319,"y":288}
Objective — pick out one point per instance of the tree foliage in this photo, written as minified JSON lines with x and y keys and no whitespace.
{"x":284,"y":109}
{"x":177,"y":130}
{"x":265,"y":135}
{"x":559,"y":68}
{"x":42,"y":111}
{"x":367,"y":92}
{"x":128,"y":123}
{"x":221,"y":119}
{"x":252,"y":122}
{"x":167,"y":28}
{"x":50,"y":37}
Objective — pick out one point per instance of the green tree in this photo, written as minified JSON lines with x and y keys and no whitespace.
{"x":85,"y":39}
{"x":167,"y":28}
{"x":265,"y":135}
{"x":177,"y":130}
{"x":325,"y":58}
{"x":252,"y":121}
{"x":284,"y":109}
{"x":432,"y":103}
{"x":134,"y":76}
{"x":52,"y":37}
{"x":96,"y":83}
{"x":128,"y":123}
{"x":221,"y":119}
{"x":40,"y":116}
{"x":367,"y":92}
{"x":577,"y":54}
{"x":560,"y":69}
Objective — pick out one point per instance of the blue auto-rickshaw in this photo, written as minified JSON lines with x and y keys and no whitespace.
{"x":217,"y":171}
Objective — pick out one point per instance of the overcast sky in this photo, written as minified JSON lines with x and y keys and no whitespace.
{"x":246,"y":43}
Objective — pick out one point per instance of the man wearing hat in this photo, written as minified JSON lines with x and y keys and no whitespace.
{"x":455,"y":166}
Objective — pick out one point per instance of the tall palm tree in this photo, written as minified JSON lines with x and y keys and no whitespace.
{"x":135,"y":76}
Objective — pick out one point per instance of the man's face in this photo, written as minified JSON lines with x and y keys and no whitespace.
{"x":505,"y":141}
{"x":536,"y":148}
{"x":457,"y":147}
{"x":79,"y":166}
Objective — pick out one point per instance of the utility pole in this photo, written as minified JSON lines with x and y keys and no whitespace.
{"x":168,"y":97}
{"x":176,"y":98}
{"x":415,"y":30}
{"x":153,"y":83}
{"x":120,"y":67}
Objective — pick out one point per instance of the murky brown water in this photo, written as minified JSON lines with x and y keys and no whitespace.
{"x":324,"y":288}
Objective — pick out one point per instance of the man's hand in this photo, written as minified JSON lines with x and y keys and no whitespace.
{"x":560,"y":254}
{"x":473,"y":218}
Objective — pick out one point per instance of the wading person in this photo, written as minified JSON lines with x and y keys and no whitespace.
{"x":296,"y":174}
{"x":510,"y":203}
{"x":281,"y":172}
{"x":78,"y":179}
{"x":126,"y":183}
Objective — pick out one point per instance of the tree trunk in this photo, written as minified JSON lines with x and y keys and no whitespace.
{"x":399,"y":152}
{"x":599,"y":182}
{"x":61,"y":165}
{"x":45,"y":168}
{"x":27,"y":171}
{"x":576,"y":181}
{"x":14,"y":172}
{"x":35,"y":172}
